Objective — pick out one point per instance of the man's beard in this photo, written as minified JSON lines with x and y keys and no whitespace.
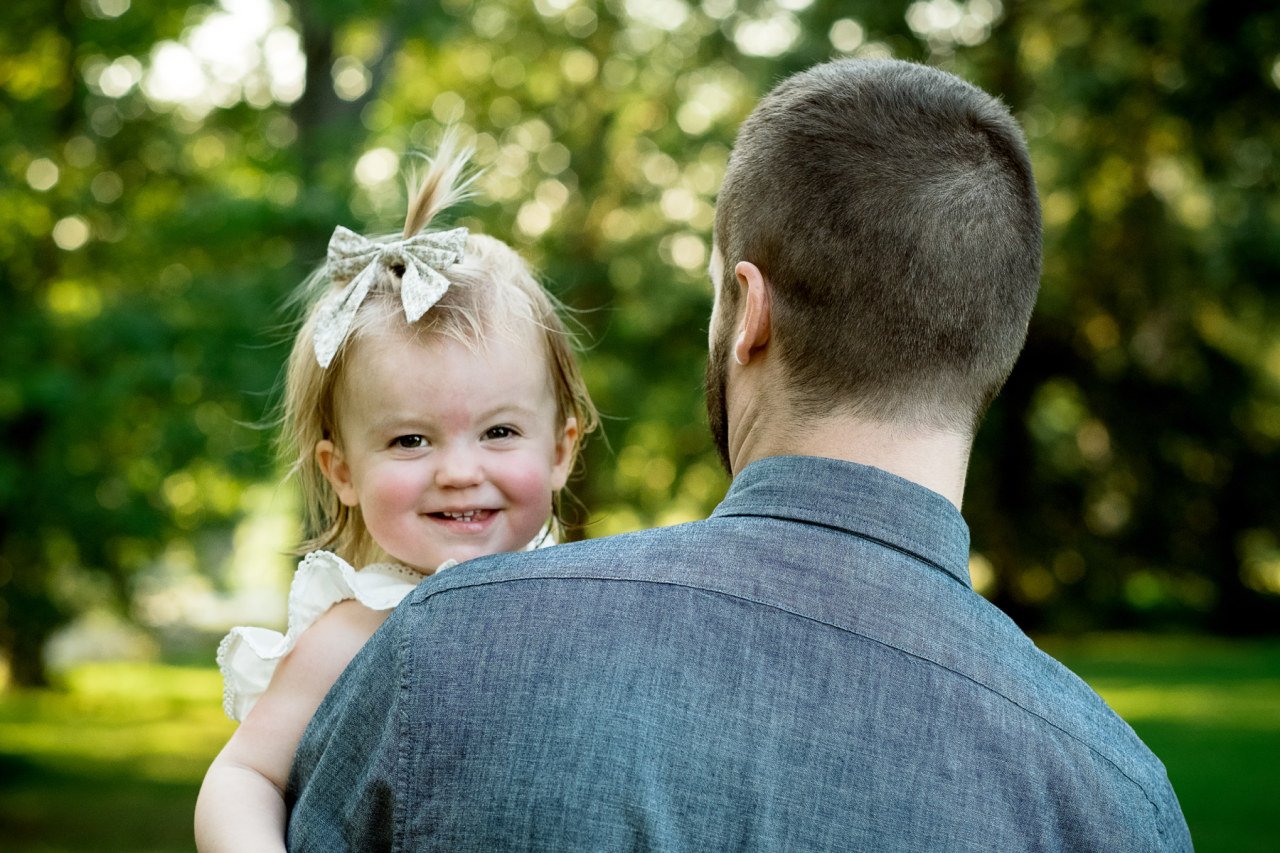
{"x":717,"y":407}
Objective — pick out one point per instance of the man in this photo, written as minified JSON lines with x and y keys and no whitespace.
{"x":809,"y":668}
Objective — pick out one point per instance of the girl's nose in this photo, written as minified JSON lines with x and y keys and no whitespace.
{"x":458,"y":468}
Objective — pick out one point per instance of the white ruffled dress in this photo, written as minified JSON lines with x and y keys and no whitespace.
{"x":248,"y":656}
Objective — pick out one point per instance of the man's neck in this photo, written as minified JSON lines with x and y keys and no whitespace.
{"x":931,"y":458}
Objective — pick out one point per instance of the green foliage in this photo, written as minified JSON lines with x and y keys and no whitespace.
{"x":1127,"y":476}
{"x":140,"y":255}
{"x":1130,"y":474}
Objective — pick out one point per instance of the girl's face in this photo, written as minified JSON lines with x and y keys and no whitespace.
{"x":450,"y":453}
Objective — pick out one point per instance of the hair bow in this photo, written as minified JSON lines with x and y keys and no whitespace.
{"x":358,"y":258}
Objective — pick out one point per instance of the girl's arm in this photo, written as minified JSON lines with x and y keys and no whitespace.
{"x":241,"y":803}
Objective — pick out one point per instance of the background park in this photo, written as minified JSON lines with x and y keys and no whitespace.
{"x":169,"y":172}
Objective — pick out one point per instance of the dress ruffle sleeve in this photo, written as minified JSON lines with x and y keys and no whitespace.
{"x":248,"y":656}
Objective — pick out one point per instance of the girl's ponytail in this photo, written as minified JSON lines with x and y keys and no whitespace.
{"x":443,"y":186}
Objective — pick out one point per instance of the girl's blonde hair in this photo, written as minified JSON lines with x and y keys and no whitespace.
{"x":492,"y":292}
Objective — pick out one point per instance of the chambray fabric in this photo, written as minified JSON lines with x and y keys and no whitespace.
{"x":808,"y":669}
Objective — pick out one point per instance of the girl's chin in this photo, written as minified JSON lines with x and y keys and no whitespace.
{"x":460,"y":554}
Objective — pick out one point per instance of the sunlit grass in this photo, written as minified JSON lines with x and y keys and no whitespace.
{"x":164,"y":722}
{"x":113,"y":759}
{"x":1210,"y":709}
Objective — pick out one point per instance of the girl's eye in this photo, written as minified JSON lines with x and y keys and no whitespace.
{"x":409,"y":442}
{"x":500,"y":432}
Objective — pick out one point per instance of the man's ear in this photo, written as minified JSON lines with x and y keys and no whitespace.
{"x":336,"y":470}
{"x":753,"y":327}
{"x":563,"y":460}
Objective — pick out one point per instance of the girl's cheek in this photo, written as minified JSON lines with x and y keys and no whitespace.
{"x":404,"y":484}
{"x":530,"y":480}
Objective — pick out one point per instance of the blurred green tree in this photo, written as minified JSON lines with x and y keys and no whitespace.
{"x":171,"y":171}
{"x":142,"y":247}
{"x":1129,"y":476}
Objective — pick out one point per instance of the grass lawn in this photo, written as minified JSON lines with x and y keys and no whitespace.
{"x":1210,"y":709}
{"x":113,"y":761}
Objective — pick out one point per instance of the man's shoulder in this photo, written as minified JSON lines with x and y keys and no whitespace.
{"x":620,"y":557}
{"x":732,"y":601}
{"x":1046,"y":691}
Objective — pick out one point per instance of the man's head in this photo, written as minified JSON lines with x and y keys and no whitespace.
{"x":891,"y":209}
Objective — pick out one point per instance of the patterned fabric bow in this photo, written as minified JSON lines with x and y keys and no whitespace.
{"x":357,"y":258}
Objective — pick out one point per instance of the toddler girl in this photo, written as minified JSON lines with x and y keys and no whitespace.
{"x":435,"y":408}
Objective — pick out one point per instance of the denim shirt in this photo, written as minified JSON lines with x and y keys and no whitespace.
{"x":807,"y":669}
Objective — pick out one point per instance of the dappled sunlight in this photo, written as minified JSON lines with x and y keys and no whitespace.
{"x":1185,"y":680}
{"x":144,"y":720}
{"x":170,"y":172}
{"x":1260,"y":553}
{"x":1247,"y":705}
{"x":948,"y":23}
{"x":178,"y":592}
{"x":981,"y":574}
{"x":242,"y":52}
{"x":178,"y":179}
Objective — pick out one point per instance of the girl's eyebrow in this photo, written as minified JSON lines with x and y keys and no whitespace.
{"x":396,"y":420}
{"x":507,"y":409}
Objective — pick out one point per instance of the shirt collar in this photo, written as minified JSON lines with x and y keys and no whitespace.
{"x":859,"y":499}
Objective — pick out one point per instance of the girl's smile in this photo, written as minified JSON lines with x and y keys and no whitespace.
{"x":466,"y":522}
{"x":449,"y":451}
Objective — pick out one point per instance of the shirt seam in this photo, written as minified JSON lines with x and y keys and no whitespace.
{"x":906,"y":552}
{"x":939,"y":664}
{"x":399,"y":820}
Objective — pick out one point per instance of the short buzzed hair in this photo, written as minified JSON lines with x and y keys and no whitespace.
{"x":892,"y":208}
